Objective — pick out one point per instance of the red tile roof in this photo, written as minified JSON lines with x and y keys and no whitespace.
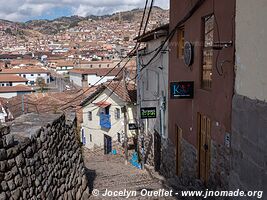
{"x":97,"y":71}
{"x":17,"y":88}
{"x":11,"y":78}
{"x":26,"y":70}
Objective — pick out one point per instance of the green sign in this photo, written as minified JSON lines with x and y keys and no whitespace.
{"x":148,"y":113}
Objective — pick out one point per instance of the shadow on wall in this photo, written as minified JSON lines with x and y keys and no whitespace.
{"x":148,"y":147}
{"x":91,"y":176}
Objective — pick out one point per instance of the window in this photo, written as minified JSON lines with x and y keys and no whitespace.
{"x":117,"y":113}
{"x":39,"y":74}
{"x":99,"y":65}
{"x":208,"y":23}
{"x":32,"y":75}
{"x":91,"y":139}
{"x":107,"y":65}
{"x":24,"y":75}
{"x":83,"y":137}
{"x":91,"y":66}
{"x":119,"y":137}
{"x":90,"y":118}
{"x":181,"y":43}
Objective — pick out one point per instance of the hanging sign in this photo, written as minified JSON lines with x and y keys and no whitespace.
{"x":148,"y":113}
{"x":182,"y":90}
{"x":133,"y":126}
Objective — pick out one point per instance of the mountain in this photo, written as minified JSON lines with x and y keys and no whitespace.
{"x":63,"y":23}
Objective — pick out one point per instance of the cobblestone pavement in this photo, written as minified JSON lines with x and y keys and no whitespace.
{"x":109,"y":172}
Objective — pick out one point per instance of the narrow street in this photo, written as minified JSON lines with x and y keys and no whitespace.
{"x":108,"y":172}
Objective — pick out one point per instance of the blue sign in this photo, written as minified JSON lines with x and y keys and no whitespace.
{"x":182,"y":90}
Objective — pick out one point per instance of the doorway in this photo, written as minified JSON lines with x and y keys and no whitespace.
{"x":107,"y":144}
{"x":204,"y":147}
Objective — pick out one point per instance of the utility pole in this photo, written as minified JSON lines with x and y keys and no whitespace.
{"x":125,"y":119}
{"x":139,"y":102}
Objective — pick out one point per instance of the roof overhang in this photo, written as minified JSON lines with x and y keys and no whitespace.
{"x":102,"y":104}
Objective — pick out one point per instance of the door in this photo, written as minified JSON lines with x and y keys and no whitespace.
{"x":107,"y":144}
{"x":157,"y":151}
{"x":204,"y":132}
{"x":178,"y":131}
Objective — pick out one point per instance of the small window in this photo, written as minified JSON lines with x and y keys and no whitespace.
{"x":24,"y":75}
{"x":39,"y":74}
{"x":32,"y":75}
{"x":83,"y":137}
{"x":91,"y":66}
{"x":207,"y":54}
{"x":117,"y":113}
{"x":90,"y":118}
{"x":99,"y":65}
{"x":91,"y":139}
{"x":119,"y":137}
{"x":107,"y":65}
{"x":181,"y":43}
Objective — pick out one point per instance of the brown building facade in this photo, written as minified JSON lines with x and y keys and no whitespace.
{"x":200,"y":125}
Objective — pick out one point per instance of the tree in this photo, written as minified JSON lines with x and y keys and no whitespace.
{"x":40,"y":82}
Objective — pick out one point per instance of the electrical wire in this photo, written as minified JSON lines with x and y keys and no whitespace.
{"x":171,"y":34}
{"x":128,"y":55}
{"x":148,"y":16}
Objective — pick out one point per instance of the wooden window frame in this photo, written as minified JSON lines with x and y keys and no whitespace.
{"x":181,"y":42}
{"x":206,"y":49}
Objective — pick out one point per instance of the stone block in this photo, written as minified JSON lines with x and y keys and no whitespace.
{"x":9,"y":141}
{"x":3,"y":196}
{"x":3,"y":154}
{"x":3,"y":166}
{"x":16,"y":194}
{"x":11,"y":184}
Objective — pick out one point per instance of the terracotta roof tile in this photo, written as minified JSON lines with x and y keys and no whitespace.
{"x":11,"y":78}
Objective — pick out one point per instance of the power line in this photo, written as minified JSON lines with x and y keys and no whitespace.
{"x":171,"y":34}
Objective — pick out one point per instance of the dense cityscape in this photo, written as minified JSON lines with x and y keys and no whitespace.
{"x":144,"y":103}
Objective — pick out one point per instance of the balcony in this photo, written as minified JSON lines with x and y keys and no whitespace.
{"x":105,"y":121}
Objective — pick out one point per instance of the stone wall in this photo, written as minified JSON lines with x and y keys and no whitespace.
{"x":248,"y":144}
{"x":148,"y":148}
{"x":168,"y":165}
{"x":40,"y":158}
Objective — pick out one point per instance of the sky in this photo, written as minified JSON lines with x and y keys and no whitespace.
{"x":24,"y":10}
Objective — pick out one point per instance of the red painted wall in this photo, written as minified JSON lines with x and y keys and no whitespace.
{"x":216,"y":103}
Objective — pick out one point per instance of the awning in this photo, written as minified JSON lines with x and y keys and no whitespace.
{"x":103,"y":104}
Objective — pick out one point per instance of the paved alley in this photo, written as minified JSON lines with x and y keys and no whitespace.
{"x":108,"y":172}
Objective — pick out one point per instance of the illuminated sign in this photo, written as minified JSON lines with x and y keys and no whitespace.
{"x":148,"y":113}
{"x":182,"y":90}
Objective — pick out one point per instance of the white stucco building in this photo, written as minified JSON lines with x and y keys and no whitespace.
{"x":31,"y":74}
{"x":152,"y":84}
{"x":89,"y":77}
{"x":12,"y":80}
{"x":12,"y":91}
{"x":103,"y":116}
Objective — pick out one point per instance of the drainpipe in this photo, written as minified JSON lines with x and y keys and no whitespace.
{"x":162,"y":114}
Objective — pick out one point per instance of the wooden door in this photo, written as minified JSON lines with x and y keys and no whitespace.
{"x":178,"y":131}
{"x":204,"y":147}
